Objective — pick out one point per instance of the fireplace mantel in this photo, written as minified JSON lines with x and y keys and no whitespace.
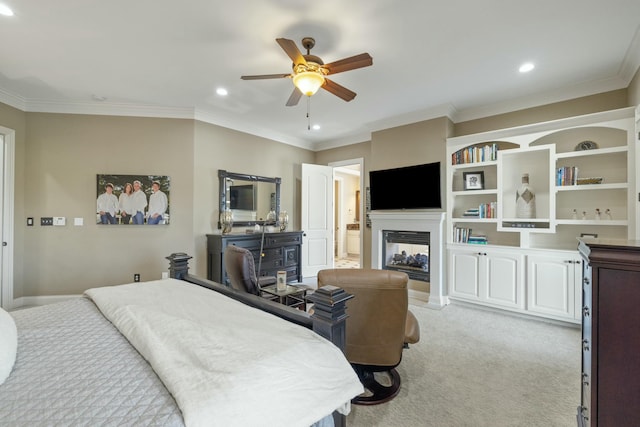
{"x":433,"y":222}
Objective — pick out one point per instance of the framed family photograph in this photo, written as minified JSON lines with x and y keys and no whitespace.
{"x":473,"y":180}
{"x":132,"y":199}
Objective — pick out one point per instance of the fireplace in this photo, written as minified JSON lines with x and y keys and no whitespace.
{"x":414,"y":223}
{"x":407,"y":251}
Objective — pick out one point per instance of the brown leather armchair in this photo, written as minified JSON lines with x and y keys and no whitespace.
{"x":379,"y":326}
{"x":241,"y":271}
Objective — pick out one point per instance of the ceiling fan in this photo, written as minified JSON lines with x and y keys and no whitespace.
{"x":309,"y":71}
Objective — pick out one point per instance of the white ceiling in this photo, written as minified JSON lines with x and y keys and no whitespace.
{"x":430,"y":58}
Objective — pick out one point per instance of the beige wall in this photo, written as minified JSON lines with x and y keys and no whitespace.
{"x":59,"y":155}
{"x":413,"y":144}
{"x":64,"y":153}
{"x":425,"y":141}
{"x":220,"y":148}
{"x":574,"y":107}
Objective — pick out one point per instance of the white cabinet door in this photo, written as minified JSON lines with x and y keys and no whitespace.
{"x":464,"y":274}
{"x":353,"y":242}
{"x":505,"y":278}
{"x":490,"y":276}
{"x":552,"y":281}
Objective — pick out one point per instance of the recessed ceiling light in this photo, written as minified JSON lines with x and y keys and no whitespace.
{"x":4,"y":10}
{"x":315,"y":127}
{"x":222,"y":91}
{"x":526,"y":67}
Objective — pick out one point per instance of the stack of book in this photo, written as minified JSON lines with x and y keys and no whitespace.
{"x":475,"y":154}
{"x":473,"y":212}
{"x":567,"y":175}
{"x":477,"y":239}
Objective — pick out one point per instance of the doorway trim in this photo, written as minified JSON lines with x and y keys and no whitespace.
{"x":358,"y":161}
{"x":9,"y":150}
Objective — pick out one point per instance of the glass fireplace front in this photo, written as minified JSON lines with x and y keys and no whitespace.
{"x":407,"y":251}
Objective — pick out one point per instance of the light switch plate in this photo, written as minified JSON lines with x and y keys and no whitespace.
{"x":78,"y":221}
{"x":59,"y":220}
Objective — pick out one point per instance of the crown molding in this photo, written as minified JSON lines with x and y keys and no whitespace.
{"x":108,"y":109}
{"x":248,"y":128}
{"x":12,"y":100}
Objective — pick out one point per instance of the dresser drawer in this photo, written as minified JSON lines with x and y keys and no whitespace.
{"x":284,"y":239}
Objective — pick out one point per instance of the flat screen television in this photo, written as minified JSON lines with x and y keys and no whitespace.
{"x":411,"y":187}
{"x":242,"y":197}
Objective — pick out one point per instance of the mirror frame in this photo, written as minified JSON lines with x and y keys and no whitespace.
{"x":222,"y":179}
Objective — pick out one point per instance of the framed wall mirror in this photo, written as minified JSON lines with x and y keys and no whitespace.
{"x":249,"y":197}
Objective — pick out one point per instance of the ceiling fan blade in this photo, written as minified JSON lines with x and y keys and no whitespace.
{"x":294,"y":98}
{"x":265,"y":76}
{"x":351,"y":63}
{"x":290,"y":48}
{"x":338,"y":90}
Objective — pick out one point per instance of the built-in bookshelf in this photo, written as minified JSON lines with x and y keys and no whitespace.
{"x":571,"y":185}
{"x":582,"y":172}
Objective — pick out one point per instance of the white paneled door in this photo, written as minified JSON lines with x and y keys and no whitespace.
{"x":7,"y":174}
{"x":317,"y":219}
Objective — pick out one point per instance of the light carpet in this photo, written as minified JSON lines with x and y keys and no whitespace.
{"x":478,"y":368}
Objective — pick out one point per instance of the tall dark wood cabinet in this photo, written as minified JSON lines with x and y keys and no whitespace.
{"x":610,"y":333}
{"x":280,"y":252}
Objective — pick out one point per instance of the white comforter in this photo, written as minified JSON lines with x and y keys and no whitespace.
{"x":225,"y":363}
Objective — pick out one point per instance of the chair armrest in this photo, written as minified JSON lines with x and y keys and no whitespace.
{"x":411,"y":329}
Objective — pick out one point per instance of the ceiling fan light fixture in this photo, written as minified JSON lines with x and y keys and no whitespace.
{"x":308,"y":82}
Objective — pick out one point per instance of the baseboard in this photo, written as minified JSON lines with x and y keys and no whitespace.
{"x":41,"y":300}
{"x":418,"y":298}
{"x":506,"y":312}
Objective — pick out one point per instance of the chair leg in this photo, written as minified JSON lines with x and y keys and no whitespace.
{"x":378,"y":393}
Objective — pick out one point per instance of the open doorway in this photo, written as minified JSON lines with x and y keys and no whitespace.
{"x":347,"y":213}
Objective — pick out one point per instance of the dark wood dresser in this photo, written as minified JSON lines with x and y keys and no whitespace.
{"x":610,"y":333}
{"x":280,"y":252}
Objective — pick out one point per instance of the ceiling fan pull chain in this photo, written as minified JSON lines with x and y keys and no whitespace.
{"x":308,"y":113}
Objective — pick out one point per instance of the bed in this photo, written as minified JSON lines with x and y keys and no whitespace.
{"x":174,"y":352}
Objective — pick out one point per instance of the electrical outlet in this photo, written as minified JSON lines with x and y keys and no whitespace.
{"x":136,"y":277}
{"x":46,"y":220}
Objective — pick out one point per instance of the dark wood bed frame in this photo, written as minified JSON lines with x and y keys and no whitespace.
{"x":328,"y":319}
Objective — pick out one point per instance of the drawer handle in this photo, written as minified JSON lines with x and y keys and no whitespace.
{"x":585,"y":413}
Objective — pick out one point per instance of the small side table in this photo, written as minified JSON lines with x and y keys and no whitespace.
{"x":293,"y":296}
